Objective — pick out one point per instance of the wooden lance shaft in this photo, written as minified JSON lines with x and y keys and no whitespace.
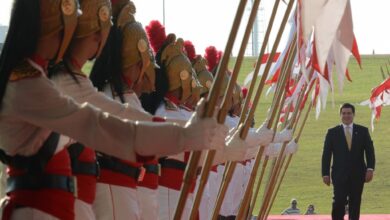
{"x":251,"y":181}
{"x":230,"y":171}
{"x":272,"y":180}
{"x":225,"y":108}
{"x":272,"y":168}
{"x":267,"y":68}
{"x":260,"y":179}
{"x":289,"y":158}
{"x":265,"y":162}
{"x":383,"y":74}
{"x":284,"y":155}
{"x":244,"y":109}
{"x":279,"y":162}
{"x":246,"y":209}
{"x":190,"y":172}
{"x":278,"y":185}
{"x":243,"y":210}
{"x":250,"y":116}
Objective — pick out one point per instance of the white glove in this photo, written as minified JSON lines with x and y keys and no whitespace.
{"x":265,"y":134}
{"x":203,"y":133}
{"x":252,"y":152}
{"x":283,"y":136}
{"x":235,"y":147}
{"x":272,"y":150}
{"x":220,"y":157}
{"x":291,"y":147}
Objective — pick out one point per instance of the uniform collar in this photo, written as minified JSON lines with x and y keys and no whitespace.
{"x":172,"y":98}
{"x":344,"y":125}
{"x":39,"y":61}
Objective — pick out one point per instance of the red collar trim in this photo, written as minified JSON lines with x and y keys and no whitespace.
{"x":172,"y":98}
{"x":128,"y":81}
{"x":40,"y":61}
{"x":75,"y":63}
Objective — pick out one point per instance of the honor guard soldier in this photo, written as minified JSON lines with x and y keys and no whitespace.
{"x":124,"y":71}
{"x":173,"y":99}
{"x":34,"y":112}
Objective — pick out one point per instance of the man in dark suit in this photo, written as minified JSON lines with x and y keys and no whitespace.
{"x":347,"y":143}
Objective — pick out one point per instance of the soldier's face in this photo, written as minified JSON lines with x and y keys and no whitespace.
{"x":347,"y":115}
{"x":49,"y":46}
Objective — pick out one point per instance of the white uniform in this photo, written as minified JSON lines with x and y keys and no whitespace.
{"x":214,"y":183}
{"x":113,"y":198}
{"x":112,"y":201}
{"x":234,"y":192}
{"x":147,"y":198}
{"x":168,"y":197}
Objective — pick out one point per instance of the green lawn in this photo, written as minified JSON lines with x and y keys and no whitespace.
{"x":303,"y":179}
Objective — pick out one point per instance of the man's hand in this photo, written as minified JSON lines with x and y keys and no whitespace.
{"x":326,"y":180}
{"x":369,"y":175}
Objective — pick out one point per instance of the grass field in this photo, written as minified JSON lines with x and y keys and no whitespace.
{"x":303,"y":179}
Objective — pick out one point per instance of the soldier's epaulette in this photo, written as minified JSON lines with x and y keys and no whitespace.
{"x":23,"y":71}
{"x":169,"y":105}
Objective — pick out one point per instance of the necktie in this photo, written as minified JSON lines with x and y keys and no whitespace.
{"x":348,"y":137}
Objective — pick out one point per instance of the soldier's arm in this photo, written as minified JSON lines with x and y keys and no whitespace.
{"x":38,"y":102}
{"x":84,"y":91}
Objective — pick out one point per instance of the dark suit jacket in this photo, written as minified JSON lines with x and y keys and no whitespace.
{"x":347,"y":163}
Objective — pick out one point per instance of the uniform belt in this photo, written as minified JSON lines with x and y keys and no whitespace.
{"x":172,"y":163}
{"x":46,"y":181}
{"x":153,"y":168}
{"x":86,"y":168}
{"x":120,"y":167}
{"x":175,"y":164}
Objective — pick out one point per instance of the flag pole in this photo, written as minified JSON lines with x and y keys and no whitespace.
{"x":289,"y":158}
{"x":225,"y":108}
{"x":271,"y":180}
{"x":284,"y":155}
{"x":383,"y":73}
{"x":273,"y":176}
{"x":231,"y":165}
{"x":250,"y":115}
{"x":248,"y":190}
{"x":190,"y":172}
{"x":244,"y":110}
{"x":254,"y":195}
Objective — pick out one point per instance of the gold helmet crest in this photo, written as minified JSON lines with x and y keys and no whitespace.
{"x":179,"y":69}
{"x":135,"y":44}
{"x":53,"y":22}
{"x":96,"y":17}
{"x":205,"y":77}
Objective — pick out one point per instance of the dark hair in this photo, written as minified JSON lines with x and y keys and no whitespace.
{"x":21,"y":40}
{"x":348,"y":105}
{"x":150,"y":102}
{"x":55,"y":69}
{"x":107,"y":68}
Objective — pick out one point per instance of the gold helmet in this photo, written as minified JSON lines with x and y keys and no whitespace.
{"x":205,"y":77}
{"x":178,"y":68}
{"x":53,"y":22}
{"x":135,"y":45}
{"x":96,"y":17}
